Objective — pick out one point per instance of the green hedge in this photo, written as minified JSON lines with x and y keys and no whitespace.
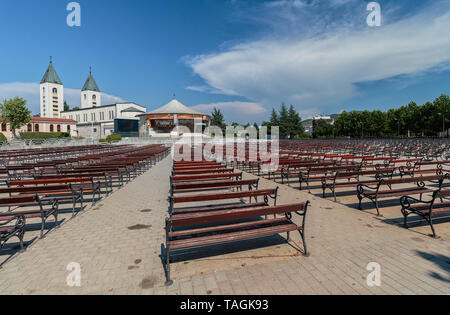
{"x":43,"y":135}
{"x":3,"y":138}
{"x":113,"y":138}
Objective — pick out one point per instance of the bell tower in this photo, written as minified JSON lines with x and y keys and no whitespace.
{"x":90,"y":93}
{"x":51,"y":93}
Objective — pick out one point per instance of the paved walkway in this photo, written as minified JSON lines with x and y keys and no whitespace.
{"x":118,"y":242}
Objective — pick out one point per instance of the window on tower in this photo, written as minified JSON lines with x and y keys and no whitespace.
{"x":94,"y":97}
{"x":55,"y":90}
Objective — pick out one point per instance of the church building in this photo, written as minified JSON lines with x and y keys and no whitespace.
{"x":52,"y":94}
{"x":95,"y":120}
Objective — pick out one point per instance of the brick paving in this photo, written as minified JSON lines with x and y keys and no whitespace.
{"x":118,"y":242}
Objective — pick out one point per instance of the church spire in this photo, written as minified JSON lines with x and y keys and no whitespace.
{"x":90,"y":84}
{"x":50,"y":75}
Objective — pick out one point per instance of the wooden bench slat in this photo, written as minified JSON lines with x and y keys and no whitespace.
{"x":231,"y":237}
{"x":218,"y":207}
{"x":197,"y":218}
{"x":226,"y":227}
{"x":236,"y":195}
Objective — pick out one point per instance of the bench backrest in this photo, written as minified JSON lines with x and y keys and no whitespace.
{"x":82,"y":175}
{"x":49,"y":181}
{"x":33,"y":189}
{"x":17,"y":201}
{"x":205,"y":177}
{"x":235,"y":195}
{"x":213,"y":184}
{"x":203,"y":171}
{"x":234,"y":214}
{"x":417,"y":179}
{"x":363,"y":173}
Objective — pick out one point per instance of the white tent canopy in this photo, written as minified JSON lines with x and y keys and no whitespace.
{"x":175,"y":107}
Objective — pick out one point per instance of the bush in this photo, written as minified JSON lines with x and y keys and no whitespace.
{"x":113,"y":138}
{"x":102,"y":141}
{"x":3,"y":138}
{"x":304,"y":135}
{"x":43,"y":135}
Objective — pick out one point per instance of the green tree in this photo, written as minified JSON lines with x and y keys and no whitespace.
{"x":322,"y":129}
{"x":284,"y":122}
{"x":296,"y":129}
{"x":274,"y":119}
{"x":217,"y":119}
{"x":66,"y":107}
{"x":442,"y":106}
{"x":15,"y":113}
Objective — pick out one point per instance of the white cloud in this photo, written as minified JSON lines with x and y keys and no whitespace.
{"x":240,"y":112}
{"x":30,"y":92}
{"x":321,"y":70}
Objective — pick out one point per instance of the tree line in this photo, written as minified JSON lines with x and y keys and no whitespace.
{"x":412,"y":120}
{"x":287,"y":119}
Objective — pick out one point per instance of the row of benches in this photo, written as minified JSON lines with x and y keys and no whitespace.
{"x":380,"y":184}
{"x":41,"y":196}
{"x":210,"y":222}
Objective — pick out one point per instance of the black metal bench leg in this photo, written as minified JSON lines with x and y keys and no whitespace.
{"x":20,"y":235}
{"x":42,"y":227}
{"x":168,"y":282}
{"x":378,"y":208}
{"x":430,"y":221}
{"x":360,"y":198}
{"x":306,"y":254}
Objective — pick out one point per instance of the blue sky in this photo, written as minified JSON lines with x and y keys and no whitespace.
{"x":244,"y":57}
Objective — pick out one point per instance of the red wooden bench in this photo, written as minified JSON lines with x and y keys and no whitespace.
{"x":189,"y":231}
{"x":352,"y":179}
{"x":375,"y":193}
{"x":426,"y":209}
{"x":75,"y":192}
{"x":182,"y":187}
{"x":40,"y":209}
{"x":266,"y":194}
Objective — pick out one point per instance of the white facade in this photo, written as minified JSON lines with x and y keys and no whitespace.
{"x":90,"y":99}
{"x":98,"y":122}
{"x":51,"y":99}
